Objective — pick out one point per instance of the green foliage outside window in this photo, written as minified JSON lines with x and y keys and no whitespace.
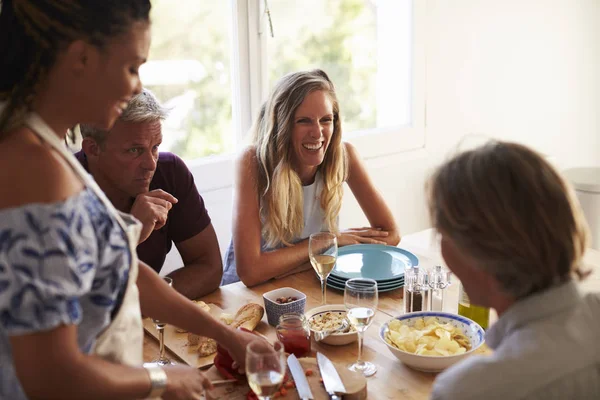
{"x":327,"y":38}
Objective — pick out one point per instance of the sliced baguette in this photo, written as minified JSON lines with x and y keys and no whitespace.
{"x":248,"y":316}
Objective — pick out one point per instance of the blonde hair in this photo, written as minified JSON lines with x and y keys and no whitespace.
{"x":504,"y":205}
{"x":279,"y":186}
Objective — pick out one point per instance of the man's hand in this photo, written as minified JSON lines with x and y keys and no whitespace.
{"x":152,"y":209}
{"x":361,"y":235}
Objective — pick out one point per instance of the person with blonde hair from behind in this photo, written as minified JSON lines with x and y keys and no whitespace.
{"x":513,"y":233}
{"x":289,"y":183}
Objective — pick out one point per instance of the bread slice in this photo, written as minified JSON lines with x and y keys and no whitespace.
{"x":202,"y":345}
{"x":207,"y":347}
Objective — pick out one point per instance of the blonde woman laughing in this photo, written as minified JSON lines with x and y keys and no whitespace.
{"x":289,"y":183}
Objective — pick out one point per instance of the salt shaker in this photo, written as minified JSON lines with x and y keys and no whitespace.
{"x":416,"y":290}
{"x":438,"y":282}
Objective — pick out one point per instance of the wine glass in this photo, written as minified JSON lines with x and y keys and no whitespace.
{"x":160,"y":327}
{"x":265,"y":367}
{"x":322,"y":250}
{"x":360,"y":299}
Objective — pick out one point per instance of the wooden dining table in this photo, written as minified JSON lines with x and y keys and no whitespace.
{"x":393,"y":379}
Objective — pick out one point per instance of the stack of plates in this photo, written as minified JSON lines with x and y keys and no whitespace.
{"x":384,"y":264}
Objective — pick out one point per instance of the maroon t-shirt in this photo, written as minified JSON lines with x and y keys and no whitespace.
{"x":187,"y":218}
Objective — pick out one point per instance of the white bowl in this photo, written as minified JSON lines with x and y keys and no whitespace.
{"x":276,"y":310}
{"x":336,"y":339}
{"x":470,"y":328}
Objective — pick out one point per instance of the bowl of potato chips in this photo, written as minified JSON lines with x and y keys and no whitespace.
{"x":431,"y":341}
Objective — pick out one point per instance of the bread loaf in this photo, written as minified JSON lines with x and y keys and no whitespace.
{"x":248,"y":316}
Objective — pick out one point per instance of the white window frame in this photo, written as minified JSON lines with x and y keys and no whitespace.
{"x":249,"y":79}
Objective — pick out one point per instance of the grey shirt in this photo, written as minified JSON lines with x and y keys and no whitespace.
{"x":546,"y":347}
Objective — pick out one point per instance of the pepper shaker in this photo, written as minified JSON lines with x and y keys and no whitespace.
{"x":438,"y":282}
{"x":416,"y":290}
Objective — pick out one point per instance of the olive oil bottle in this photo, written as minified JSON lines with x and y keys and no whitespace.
{"x":479,"y":314}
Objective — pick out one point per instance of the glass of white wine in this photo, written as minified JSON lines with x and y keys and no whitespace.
{"x":323,"y":250}
{"x":160,"y":327}
{"x":265,"y":367}
{"x":360,"y":299}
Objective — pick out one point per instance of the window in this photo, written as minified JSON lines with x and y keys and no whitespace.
{"x":363,"y":45}
{"x":214,"y":62}
{"x":190,"y":72}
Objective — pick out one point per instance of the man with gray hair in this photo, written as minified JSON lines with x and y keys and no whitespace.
{"x":159,"y":190}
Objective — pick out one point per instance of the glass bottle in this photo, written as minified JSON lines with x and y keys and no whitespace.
{"x":479,"y":314}
{"x":294,"y":333}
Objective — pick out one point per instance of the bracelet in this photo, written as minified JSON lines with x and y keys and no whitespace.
{"x":158,"y":379}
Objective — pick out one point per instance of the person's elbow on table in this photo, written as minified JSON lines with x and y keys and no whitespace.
{"x":249,"y":274}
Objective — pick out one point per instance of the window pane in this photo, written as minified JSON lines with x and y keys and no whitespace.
{"x":189,"y":71}
{"x":363,"y":45}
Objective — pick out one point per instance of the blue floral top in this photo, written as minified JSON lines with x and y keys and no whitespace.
{"x":60,"y":263}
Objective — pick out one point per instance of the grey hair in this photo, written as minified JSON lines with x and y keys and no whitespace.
{"x":144,"y":107}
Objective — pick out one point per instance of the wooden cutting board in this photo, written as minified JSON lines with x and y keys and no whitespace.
{"x":178,"y":343}
{"x":355,"y":383}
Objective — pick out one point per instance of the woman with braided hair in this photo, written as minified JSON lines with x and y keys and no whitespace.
{"x":71,"y":288}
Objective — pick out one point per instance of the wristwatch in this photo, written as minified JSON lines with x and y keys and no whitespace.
{"x":158,"y":379}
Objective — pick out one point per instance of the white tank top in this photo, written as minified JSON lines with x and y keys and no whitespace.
{"x":314,"y":221}
{"x":314,"y":217}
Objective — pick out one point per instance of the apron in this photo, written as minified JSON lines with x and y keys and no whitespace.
{"x":122,"y":340}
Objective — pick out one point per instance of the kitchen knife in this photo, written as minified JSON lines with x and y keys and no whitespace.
{"x":299,"y":378}
{"x":331,"y":379}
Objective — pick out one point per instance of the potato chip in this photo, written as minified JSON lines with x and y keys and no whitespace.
{"x":395,"y":325}
{"x":427,"y":337}
{"x":419,"y":324}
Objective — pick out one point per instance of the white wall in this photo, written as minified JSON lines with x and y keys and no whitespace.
{"x":522,"y":70}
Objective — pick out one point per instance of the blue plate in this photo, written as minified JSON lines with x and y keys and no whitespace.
{"x":386,"y":282}
{"x":340,"y":282}
{"x":375,"y":261}
{"x":379,"y":289}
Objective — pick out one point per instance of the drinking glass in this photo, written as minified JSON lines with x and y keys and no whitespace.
{"x":265,"y":367}
{"x":360,"y":299}
{"x":322,"y":250}
{"x":160,"y":327}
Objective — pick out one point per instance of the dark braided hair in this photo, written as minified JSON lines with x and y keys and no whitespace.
{"x":32,"y":32}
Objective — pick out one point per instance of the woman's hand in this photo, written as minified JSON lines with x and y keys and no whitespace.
{"x":185,"y":383}
{"x":237,"y":348}
{"x":361,"y":235}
